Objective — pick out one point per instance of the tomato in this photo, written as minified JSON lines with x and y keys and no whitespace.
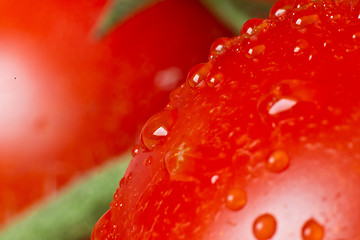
{"x":261,"y":142}
{"x":68,"y":101}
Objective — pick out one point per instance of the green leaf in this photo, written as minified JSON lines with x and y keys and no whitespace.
{"x":234,"y":13}
{"x":116,"y":12}
{"x":74,"y":212}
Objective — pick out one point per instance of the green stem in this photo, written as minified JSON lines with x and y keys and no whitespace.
{"x":228,"y":13}
{"x":74,"y":211}
{"x":118,"y":11}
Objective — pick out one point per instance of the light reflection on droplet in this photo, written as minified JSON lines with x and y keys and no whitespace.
{"x":282,"y":105}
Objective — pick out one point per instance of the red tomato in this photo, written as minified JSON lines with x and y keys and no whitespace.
{"x":262,"y":141}
{"x":69,"y":102}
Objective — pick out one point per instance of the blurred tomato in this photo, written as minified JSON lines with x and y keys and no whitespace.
{"x":69,"y":102}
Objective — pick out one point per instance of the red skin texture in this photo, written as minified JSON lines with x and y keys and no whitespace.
{"x":275,"y":140}
{"x":69,"y":102}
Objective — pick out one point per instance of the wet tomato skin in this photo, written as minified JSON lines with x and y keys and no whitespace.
{"x":263,"y":141}
{"x":69,"y":101}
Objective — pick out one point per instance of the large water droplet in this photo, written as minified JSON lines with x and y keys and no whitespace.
{"x":236,"y":199}
{"x":278,"y":161}
{"x":312,"y":230}
{"x":197,"y":74}
{"x":156,"y":129}
{"x":253,"y":27}
{"x":218,"y":47}
{"x":264,"y":227}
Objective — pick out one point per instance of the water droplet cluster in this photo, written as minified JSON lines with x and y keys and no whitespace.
{"x":241,"y":120}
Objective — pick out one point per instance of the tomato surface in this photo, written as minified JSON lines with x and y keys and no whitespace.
{"x":68,"y":101}
{"x":261,"y":142}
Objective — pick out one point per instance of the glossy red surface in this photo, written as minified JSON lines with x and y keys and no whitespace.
{"x":69,"y":102}
{"x":269,"y":151}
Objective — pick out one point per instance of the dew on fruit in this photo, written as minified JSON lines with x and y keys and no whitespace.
{"x":280,"y":8}
{"x":290,"y":99}
{"x":148,"y":161}
{"x":156,"y":129}
{"x":197,"y":74}
{"x":278,"y":161}
{"x":135,"y":150}
{"x":303,"y":4}
{"x":264,"y":227}
{"x":282,"y":105}
{"x":235,"y":199}
{"x":312,"y":230}
{"x":253,"y":27}
{"x":218,"y":47}
{"x":214,"y":179}
{"x":180,"y":164}
{"x":300,"y":46}
{"x":356,"y":37}
{"x":214,"y":79}
{"x":304,"y":21}
{"x":255,"y":51}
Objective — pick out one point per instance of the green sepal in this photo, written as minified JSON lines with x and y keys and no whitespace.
{"x":234,"y":14}
{"x":116,"y":12}
{"x":73,"y":212}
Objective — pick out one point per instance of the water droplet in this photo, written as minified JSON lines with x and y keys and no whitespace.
{"x":255,"y":51}
{"x":278,"y":161}
{"x":214,"y":79}
{"x":148,"y":161}
{"x":300,"y":46}
{"x":214,"y":179}
{"x":280,"y":8}
{"x":253,"y":27}
{"x":312,"y":230}
{"x":236,"y":199}
{"x":303,"y":4}
{"x":288,"y":100}
{"x":156,"y":129}
{"x":180,"y":164}
{"x":264,"y":227}
{"x":300,"y":21}
{"x":135,"y":150}
{"x":282,"y":105}
{"x":356,"y":37}
{"x":198,"y":73}
{"x":218,"y":47}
